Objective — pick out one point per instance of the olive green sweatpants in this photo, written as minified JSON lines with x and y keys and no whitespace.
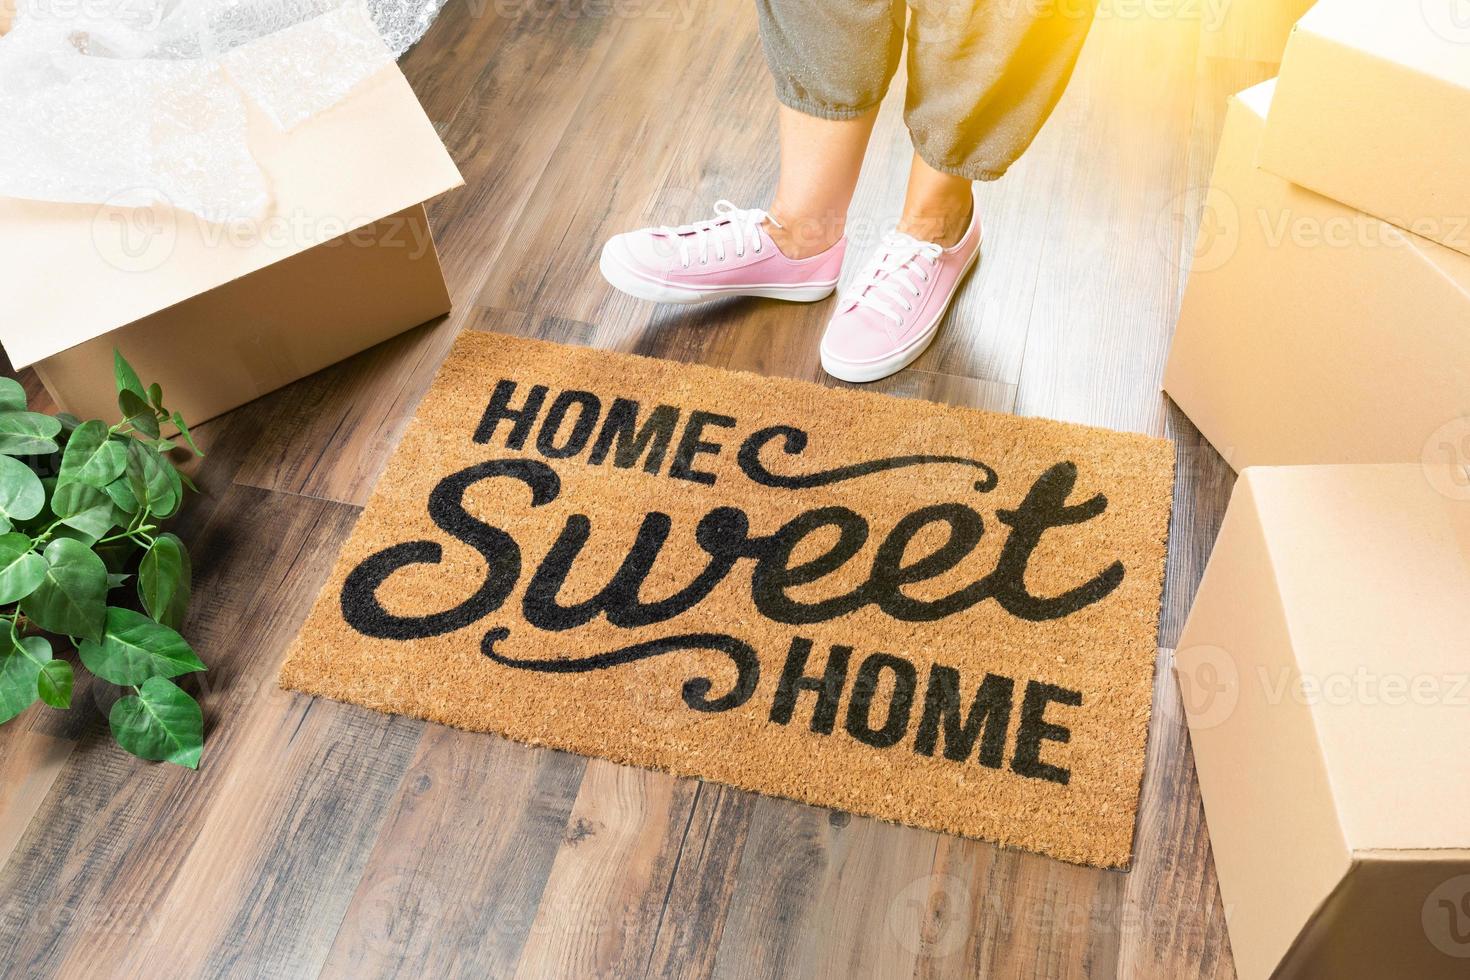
{"x":983,"y":75}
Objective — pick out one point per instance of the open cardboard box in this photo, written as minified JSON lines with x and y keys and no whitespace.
{"x":1311,"y":332}
{"x":1372,"y":109}
{"x":1325,"y":674}
{"x":220,"y":314}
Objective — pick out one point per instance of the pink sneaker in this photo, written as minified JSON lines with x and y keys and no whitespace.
{"x":892,"y":312}
{"x":728,"y":255}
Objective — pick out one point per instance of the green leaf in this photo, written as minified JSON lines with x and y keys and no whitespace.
{"x":91,"y":457}
{"x":178,"y":421}
{"x":157,"y":476}
{"x":21,"y":494}
{"x":114,"y":579}
{"x":83,"y":507}
{"x":71,"y":598}
{"x":12,"y":396}
{"x":120,"y":491}
{"x":127,"y":379}
{"x":175,"y":487}
{"x":160,"y":723}
{"x":164,"y":580}
{"x":21,"y":569}
{"x":155,"y":396}
{"x":20,"y":666}
{"x":139,"y":413}
{"x":135,"y":648}
{"x":28,"y":433}
{"x":68,"y":421}
{"x":54,"y":683}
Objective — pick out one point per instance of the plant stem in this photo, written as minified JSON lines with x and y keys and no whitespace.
{"x":45,"y":535}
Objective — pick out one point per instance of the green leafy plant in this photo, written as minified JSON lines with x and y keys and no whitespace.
{"x":80,"y":508}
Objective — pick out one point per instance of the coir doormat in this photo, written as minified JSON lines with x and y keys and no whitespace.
{"x":932,"y":615}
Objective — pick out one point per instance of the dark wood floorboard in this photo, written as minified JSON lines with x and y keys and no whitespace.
{"x":321,"y":839}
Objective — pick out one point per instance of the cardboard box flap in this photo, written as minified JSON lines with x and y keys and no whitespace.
{"x":1384,"y":656}
{"x":1423,"y":35}
{"x":74,"y":272}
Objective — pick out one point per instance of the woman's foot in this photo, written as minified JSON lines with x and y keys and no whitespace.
{"x":893,"y":310}
{"x":728,"y":255}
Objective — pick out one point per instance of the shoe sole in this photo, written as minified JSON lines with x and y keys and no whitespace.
{"x":861,"y":372}
{"x":625,"y":280}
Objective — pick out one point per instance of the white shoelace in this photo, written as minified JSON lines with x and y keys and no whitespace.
{"x":894,"y":276}
{"x":742,"y":222}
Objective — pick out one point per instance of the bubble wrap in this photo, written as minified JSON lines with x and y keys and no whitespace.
{"x":143,"y":102}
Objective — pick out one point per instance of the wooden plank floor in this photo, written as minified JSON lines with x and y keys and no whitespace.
{"x":321,"y":839}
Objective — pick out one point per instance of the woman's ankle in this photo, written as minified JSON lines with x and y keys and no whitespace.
{"x":942,"y":226}
{"x":801,"y":237}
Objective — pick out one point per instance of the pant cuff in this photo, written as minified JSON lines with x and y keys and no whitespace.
{"x":807,"y":107}
{"x":969,"y":171}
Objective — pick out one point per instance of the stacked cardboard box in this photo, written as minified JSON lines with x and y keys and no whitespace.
{"x":1313,"y":331}
{"x":1325,"y":665}
{"x":1325,"y":673}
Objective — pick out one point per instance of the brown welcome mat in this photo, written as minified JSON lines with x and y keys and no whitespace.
{"x":928,"y":614}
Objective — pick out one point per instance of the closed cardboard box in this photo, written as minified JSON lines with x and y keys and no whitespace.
{"x":1325,"y":674}
{"x":1372,"y":109}
{"x":1311,"y":332}
{"x":220,"y":314}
